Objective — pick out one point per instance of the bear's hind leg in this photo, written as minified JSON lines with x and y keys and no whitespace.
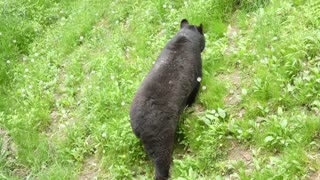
{"x":162,"y":167}
{"x":160,"y":149}
{"x":163,"y":159}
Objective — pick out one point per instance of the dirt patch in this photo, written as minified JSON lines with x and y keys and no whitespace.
{"x":198,"y":108}
{"x":232,"y":34}
{"x":8,"y":147}
{"x":7,"y":144}
{"x":234,"y":85}
{"x":314,"y":158}
{"x":91,"y":168}
{"x":233,"y":79}
{"x":9,"y":151}
{"x":314,"y":176}
{"x":238,"y":152}
{"x":102,"y":23}
{"x":57,"y":116}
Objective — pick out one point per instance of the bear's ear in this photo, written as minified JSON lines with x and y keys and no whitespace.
{"x":200,"y":29}
{"x":184,"y":23}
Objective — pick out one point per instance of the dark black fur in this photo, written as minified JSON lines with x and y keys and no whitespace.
{"x":164,"y":93}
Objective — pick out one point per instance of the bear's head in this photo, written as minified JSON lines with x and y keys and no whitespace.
{"x":193,"y":32}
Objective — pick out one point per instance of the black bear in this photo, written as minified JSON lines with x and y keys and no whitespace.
{"x":170,"y":86}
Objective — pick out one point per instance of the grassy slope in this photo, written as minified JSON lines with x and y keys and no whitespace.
{"x":68,"y":100}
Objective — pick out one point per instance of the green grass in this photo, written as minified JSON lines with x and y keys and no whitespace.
{"x":69,"y":71}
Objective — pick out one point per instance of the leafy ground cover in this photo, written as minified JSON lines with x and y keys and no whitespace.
{"x":69,"y":70}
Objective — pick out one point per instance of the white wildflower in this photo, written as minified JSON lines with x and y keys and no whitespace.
{"x":104,"y":134}
{"x":62,"y":126}
{"x":272,"y":49}
{"x":264,"y":60}
{"x":64,"y":116}
{"x":204,"y":87}
{"x":244,"y":92}
{"x":199,"y":79}
{"x":254,"y":52}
